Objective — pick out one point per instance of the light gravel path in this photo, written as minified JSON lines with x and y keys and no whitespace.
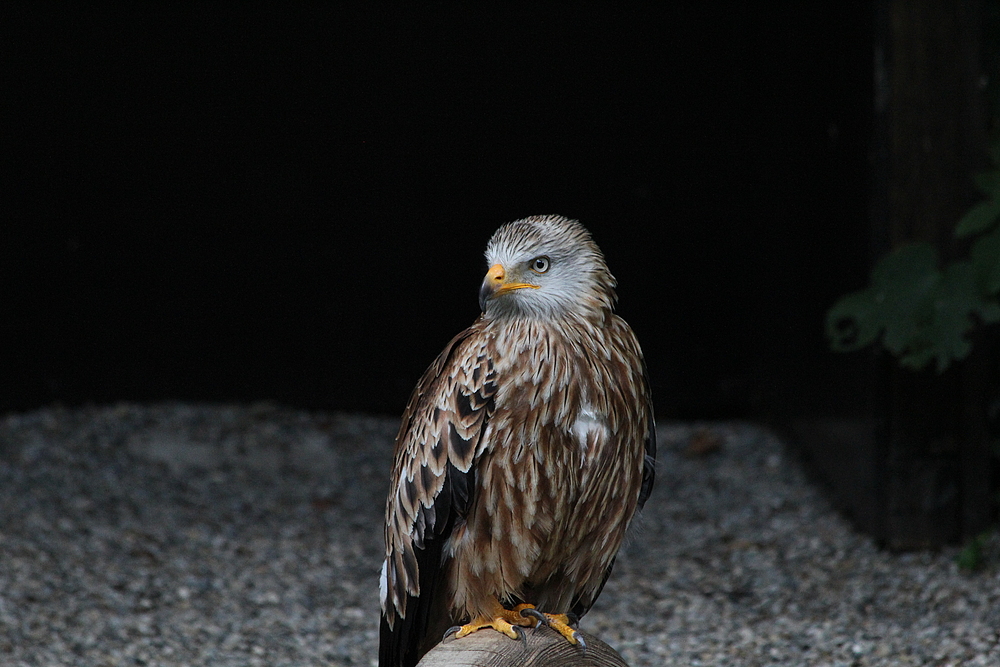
{"x":251,"y":535}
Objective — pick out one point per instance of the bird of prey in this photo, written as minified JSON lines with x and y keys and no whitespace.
{"x":524,"y":452}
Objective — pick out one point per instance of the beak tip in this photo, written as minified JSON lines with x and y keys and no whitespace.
{"x":485,"y":292}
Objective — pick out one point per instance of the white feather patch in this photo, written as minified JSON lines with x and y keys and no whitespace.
{"x":588,"y":422}
{"x":383,"y":585}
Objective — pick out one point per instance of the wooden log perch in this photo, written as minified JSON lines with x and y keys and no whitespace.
{"x":543,"y":647}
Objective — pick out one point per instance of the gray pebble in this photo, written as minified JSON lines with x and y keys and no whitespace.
{"x":216,"y":535}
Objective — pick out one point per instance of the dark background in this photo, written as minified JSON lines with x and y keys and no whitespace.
{"x":290,"y":203}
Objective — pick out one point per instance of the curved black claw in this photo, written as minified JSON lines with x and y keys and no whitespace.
{"x":450,"y":631}
{"x":574,"y":619}
{"x":520,"y":634}
{"x":579,"y":639}
{"x":535,"y":614}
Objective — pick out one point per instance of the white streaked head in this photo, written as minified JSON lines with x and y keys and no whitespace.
{"x":545,"y":267}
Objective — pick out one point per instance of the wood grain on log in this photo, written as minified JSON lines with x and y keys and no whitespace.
{"x":542,"y":647}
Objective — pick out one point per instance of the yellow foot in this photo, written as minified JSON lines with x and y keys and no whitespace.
{"x":507,"y":621}
{"x":510,"y":622}
{"x":558,"y":622}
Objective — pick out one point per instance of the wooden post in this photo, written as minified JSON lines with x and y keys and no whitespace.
{"x":913,"y":468}
{"x":542,"y":647}
{"x":934,"y":124}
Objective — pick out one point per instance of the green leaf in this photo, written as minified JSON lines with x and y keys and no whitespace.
{"x":902,"y":283}
{"x":994,"y":150}
{"x":853,"y":322}
{"x":970,"y":558}
{"x":990,"y":312}
{"x":954,"y":299}
{"x":906,"y":262}
{"x":988,"y":182}
{"x":916,"y":360}
{"x":922,"y":314}
{"x":980,"y":218}
{"x":985,"y":256}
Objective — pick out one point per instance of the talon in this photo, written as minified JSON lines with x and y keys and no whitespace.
{"x":559,"y":623}
{"x":572,"y":619}
{"x":512,"y":622}
{"x":450,"y":631}
{"x":507,"y":621}
{"x":531,"y":612}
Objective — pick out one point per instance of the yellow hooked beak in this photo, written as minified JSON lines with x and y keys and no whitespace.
{"x":495,"y":283}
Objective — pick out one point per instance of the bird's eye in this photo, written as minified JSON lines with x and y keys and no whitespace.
{"x":540,"y":264}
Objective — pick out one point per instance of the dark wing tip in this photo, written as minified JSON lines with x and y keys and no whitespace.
{"x":648,"y":467}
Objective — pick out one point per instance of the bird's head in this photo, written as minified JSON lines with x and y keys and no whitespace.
{"x":545,"y":267}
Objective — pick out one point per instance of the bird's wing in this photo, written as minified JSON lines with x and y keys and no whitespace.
{"x":433,"y":480}
{"x":649,"y":461}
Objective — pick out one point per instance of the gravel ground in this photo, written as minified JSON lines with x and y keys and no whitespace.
{"x":251,"y":535}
